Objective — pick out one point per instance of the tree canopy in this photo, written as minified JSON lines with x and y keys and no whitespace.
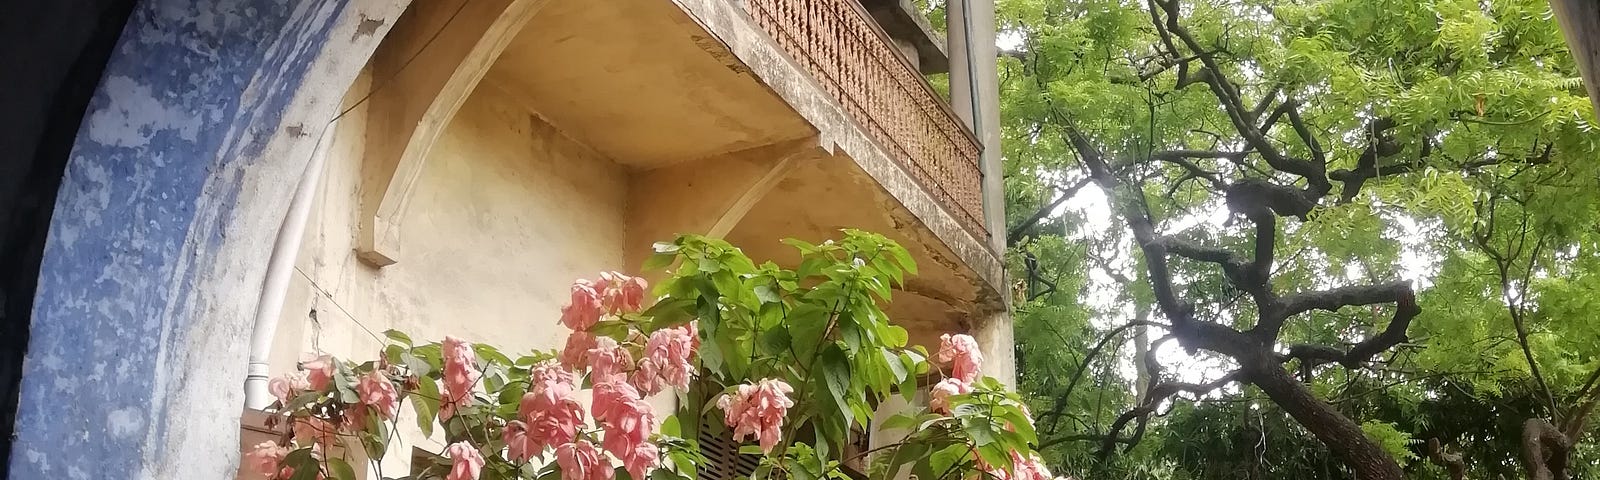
{"x":1303,"y":239}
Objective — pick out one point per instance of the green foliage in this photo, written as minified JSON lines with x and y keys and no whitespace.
{"x":820,"y":328}
{"x":1495,"y":205}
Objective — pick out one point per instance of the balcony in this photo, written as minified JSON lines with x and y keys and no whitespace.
{"x":593,"y":129}
{"x":845,"y":50}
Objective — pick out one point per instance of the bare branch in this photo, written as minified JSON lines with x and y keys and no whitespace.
{"x":1061,"y":401}
{"x":1066,"y":193}
{"x":1393,"y":334}
{"x":1159,"y":393}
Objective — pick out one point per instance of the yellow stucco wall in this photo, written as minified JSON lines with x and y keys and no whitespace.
{"x":507,"y":212}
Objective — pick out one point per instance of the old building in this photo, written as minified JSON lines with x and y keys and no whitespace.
{"x":492,"y":152}
{"x":457,"y":165}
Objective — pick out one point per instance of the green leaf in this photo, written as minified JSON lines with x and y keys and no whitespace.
{"x":426,"y":403}
{"x":338,"y":469}
{"x":766,"y":294}
{"x":342,"y":378}
{"x":835,"y":366}
{"x":669,"y":426}
{"x":304,"y":464}
{"x":398,"y":337}
{"x":658,"y":261}
{"x":489,"y":353}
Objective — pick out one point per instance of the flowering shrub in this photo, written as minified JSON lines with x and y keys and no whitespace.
{"x":796,"y":361}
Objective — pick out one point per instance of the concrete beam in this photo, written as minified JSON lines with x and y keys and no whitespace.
{"x":706,"y":197}
{"x":432,"y":60}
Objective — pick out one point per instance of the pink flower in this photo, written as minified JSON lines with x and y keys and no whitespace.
{"x":1029,"y":468}
{"x":377,"y":391}
{"x":576,"y":354}
{"x":287,"y":386}
{"x":319,"y":372}
{"x":519,"y":446}
{"x":581,"y":461}
{"x":939,"y":399}
{"x":465,"y":461}
{"x":608,"y":361}
{"x":355,"y":418}
{"x":550,"y":408}
{"x":667,"y":359}
{"x":314,"y":430}
{"x":584,"y":309}
{"x":961,"y":352}
{"x":628,"y":422}
{"x":757,"y":411}
{"x":612,"y":401}
{"x":642,"y":457}
{"x":621,"y":293}
{"x":264,"y":459}
{"x":460,"y":376}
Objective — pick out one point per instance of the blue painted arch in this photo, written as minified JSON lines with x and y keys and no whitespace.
{"x":180,"y":173}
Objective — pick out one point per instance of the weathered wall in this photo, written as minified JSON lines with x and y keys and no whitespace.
{"x":506,"y":214}
{"x":181,"y":170}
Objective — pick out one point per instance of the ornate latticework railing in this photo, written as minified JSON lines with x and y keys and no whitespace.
{"x":838,"y":43}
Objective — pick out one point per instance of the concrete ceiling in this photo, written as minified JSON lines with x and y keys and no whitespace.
{"x":612,"y":74}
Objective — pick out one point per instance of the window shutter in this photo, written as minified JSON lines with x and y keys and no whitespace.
{"x":723,"y":461}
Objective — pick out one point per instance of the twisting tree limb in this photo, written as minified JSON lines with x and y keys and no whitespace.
{"x":1067,"y":193}
{"x":1450,"y":461}
{"x":1158,"y":393}
{"x":1544,"y":450}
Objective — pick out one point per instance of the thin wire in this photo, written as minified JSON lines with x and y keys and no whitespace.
{"x":405,"y":64}
{"x":363,"y":100}
{"x":336,"y":304}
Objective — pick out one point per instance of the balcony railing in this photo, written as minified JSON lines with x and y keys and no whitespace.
{"x":837,"y":42}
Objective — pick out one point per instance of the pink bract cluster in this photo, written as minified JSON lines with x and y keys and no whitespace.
{"x":460,"y":376}
{"x":960,"y":352}
{"x":757,"y":411}
{"x":465,"y":461}
{"x":1030,"y":467}
{"x":548,"y":415}
{"x":620,"y":383}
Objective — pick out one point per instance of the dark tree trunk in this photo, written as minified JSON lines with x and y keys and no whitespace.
{"x":1342,"y":436}
{"x":1544,"y":450}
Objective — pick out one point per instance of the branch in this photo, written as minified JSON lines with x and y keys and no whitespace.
{"x":1544,"y":450}
{"x":1180,"y":158}
{"x":1061,"y":401}
{"x":1451,"y":461}
{"x":1158,"y":394}
{"x":1313,"y":172}
{"x":1394,"y":334}
{"x":1066,"y":194}
{"x":1144,"y":235}
{"x":1254,"y":197}
{"x":1367,"y":168}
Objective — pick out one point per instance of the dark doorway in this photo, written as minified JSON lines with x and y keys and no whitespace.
{"x":53,"y":53}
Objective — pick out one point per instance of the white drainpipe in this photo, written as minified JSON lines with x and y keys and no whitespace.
{"x":280,"y":268}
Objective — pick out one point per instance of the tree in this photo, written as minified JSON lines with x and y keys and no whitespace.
{"x":1322,"y":129}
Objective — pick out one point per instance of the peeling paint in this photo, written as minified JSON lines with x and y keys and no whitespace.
{"x":142,"y":305}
